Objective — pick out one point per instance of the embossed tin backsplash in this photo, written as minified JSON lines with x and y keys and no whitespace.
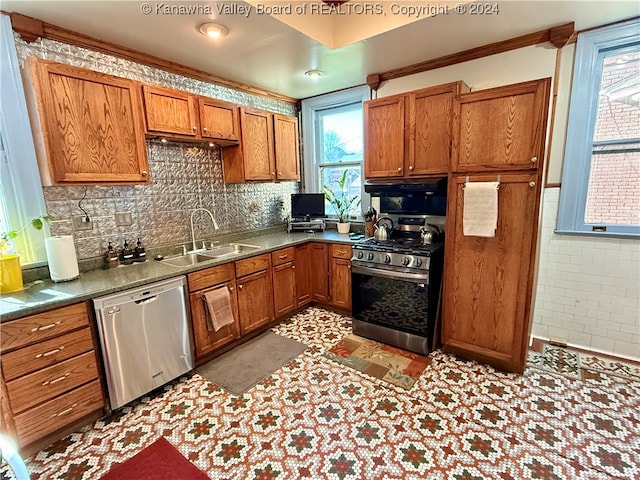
{"x":183,"y":176}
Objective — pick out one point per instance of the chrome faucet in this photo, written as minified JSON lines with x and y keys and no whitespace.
{"x":193,"y":235}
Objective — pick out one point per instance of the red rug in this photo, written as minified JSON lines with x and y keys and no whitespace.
{"x":159,"y":461}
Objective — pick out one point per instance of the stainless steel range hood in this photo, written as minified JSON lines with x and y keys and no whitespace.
{"x":407,"y":187}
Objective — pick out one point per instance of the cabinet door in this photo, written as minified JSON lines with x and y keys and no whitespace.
{"x":170,"y":111}
{"x":257,"y":144}
{"x":287,"y":156}
{"x":284,"y":289}
{"x":304,"y":288}
{"x":430,"y":125}
{"x":91,"y":126}
{"x":384,"y":145}
{"x":219,"y":120}
{"x":320,"y":272}
{"x":341,"y":283}
{"x":489,"y":281}
{"x":255,"y":301}
{"x":205,"y":340}
{"x":501,"y":128}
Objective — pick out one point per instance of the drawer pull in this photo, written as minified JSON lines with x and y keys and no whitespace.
{"x":282,"y":257}
{"x":55,"y":380}
{"x":45,"y":327}
{"x":342,"y":252}
{"x":65,"y":411}
{"x":51,"y":352}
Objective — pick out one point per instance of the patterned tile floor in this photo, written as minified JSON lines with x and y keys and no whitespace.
{"x":317,"y":419}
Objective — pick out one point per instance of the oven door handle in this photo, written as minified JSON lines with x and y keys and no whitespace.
{"x":378,"y":272}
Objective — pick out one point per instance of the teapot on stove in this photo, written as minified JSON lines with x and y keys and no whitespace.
{"x":428,"y":234}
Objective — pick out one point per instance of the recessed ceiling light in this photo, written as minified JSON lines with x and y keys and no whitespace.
{"x":213,"y":30}
{"x":314,"y":74}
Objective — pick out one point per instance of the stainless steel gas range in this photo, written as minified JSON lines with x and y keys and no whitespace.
{"x":396,"y":282}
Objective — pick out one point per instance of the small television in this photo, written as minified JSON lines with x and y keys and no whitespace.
{"x":307,"y":205}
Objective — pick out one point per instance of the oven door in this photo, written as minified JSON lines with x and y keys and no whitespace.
{"x":398,"y":301}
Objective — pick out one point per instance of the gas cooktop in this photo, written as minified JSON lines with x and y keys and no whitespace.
{"x":400,"y":245}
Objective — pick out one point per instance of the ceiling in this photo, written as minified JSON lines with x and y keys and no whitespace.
{"x":271,"y":53}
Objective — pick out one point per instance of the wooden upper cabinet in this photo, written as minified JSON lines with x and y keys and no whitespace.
{"x":287,"y":158}
{"x":488,"y":284}
{"x":384,"y":121}
{"x":87,"y":126}
{"x":268,"y":151}
{"x":501,"y":128}
{"x":219,"y":120}
{"x":170,"y":111}
{"x":410,"y":134}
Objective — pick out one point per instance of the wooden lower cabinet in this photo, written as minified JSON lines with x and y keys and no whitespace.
{"x":50,"y":380}
{"x":340,"y":275}
{"x":205,"y":339}
{"x":255,"y":293}
{"x":320,"y":272}
{"x":488,"y":284}
{"x":284,"y":281}
{"x":304,"y":288}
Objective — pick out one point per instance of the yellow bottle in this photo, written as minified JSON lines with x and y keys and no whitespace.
{"x":10,"y":273}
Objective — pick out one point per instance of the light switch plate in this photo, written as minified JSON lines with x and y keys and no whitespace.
{"x":123,"y":219}
{"x":79,"y":223}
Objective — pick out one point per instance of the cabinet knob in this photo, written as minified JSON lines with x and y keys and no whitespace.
{"x":399,"y":169}
{"x":410,"y":167}
{"x":194,"y":128}
{"x":532,"y":184}
{"x":534,"y":159}
{"x":240,"y":287}
{"x":230,"y":289}
{"x":144,"y":173}
{"x":273,"y":174}
{"x":293,"y":267}
{"x":205,"y":129}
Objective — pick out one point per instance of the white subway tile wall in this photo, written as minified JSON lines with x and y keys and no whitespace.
{"x":588,"y":291}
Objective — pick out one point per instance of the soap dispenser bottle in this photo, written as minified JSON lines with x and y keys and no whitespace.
{"x":111,"y":257}
{"x":139,"y":254}
{"x":127,"y":254}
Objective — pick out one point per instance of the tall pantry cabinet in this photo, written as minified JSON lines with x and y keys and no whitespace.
{"x":499,"y":134}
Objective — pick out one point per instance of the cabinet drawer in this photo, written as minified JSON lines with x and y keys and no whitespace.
{"x":55,"y":414}
{"x":210,"y":276}
{"x":341,"y":251}
{"x":45,"y":384}
{"x":252,"y":265}
{"x":42,"y":326}
{"x":283,"y":256}
{"x":44,"y":354}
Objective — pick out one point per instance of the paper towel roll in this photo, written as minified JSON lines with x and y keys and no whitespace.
{"x":61,"y":255}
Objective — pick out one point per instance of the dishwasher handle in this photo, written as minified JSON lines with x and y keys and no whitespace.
{"x":146,"y":300}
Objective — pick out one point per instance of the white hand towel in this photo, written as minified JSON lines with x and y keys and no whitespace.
{"x":480,"y":216}
{"x":217,"y":305}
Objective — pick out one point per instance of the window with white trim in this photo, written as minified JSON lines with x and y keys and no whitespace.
{"x":600,"y":191}
{"x":21,"y":197}
{"x":333,"y":138}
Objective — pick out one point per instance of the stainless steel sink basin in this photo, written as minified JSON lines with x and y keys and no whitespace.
{"x":230,"y":249}
{"x":187,"y":260}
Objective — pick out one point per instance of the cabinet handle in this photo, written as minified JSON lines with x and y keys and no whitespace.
{"x":45,"y":327}
{"x":410,"y":167}
{"x":64,"y":412}
{"x":194,"y":128}
{"x":532,"y":184}
{"x":534,"y":159}
{"x":55,"y":380}
{"x":282,"y":257}
{"x":144,"y":173}
{"x":51,"y":352}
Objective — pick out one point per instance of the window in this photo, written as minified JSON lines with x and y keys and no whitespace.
{"x":21,"y":197}
{"x":333,"y":134}
{"x":601,"y":172}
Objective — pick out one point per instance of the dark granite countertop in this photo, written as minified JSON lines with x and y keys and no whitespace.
{"x":44,"y":295}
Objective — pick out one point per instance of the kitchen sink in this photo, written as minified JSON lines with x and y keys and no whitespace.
{"x":187,"y":260}
{"x":230,"y":249}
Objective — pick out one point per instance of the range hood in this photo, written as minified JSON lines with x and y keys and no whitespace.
{"x":407,"y":187}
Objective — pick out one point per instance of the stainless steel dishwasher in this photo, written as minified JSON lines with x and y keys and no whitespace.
{"x":144,"y":335}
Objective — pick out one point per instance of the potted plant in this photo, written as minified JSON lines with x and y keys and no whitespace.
{"x":10,"y":271}
{"x":341,"y":201}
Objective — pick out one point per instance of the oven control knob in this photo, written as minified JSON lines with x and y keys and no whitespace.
{"x":387,"y":259}
{"x":369,"y":256}
{"x":406,"y":261}
{"x":418,"y":262}
{"x":360,"y":254}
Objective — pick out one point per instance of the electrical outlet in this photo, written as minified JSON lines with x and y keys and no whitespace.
{"x":123,"y":219}
{"x":80,"y":223}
